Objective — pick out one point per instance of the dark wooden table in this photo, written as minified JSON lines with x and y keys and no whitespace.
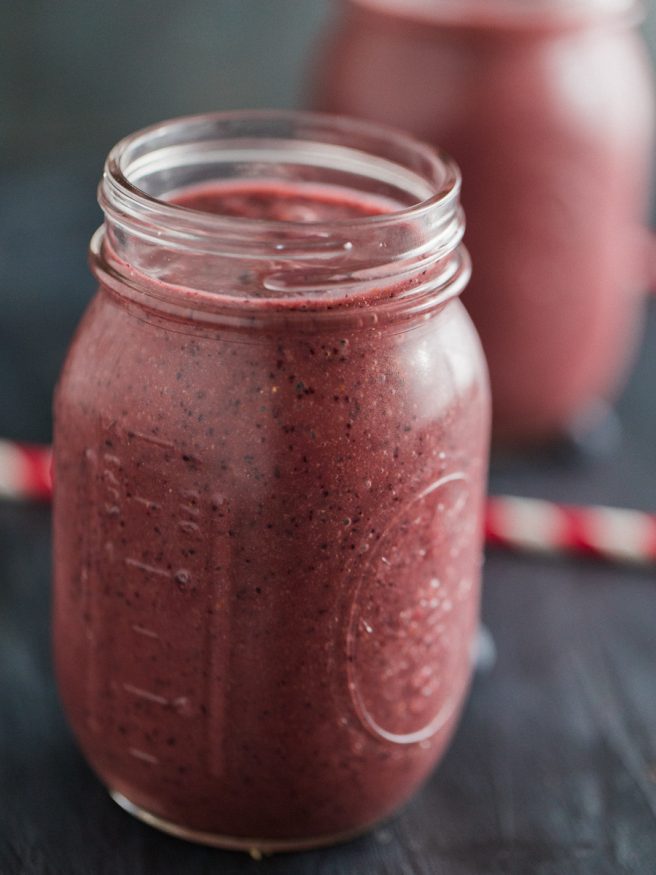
{"x":553,"y":770}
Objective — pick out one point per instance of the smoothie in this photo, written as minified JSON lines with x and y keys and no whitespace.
{"x":267,"y":544}
{"x":547,"y":107}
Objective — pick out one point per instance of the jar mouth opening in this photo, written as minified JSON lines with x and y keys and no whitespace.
{"x":144,"y":170}
{"x":401,"y":197}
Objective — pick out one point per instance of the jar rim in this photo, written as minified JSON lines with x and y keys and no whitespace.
{"x":152,"y":243}
{"x":441,"y":184}
{"x":510,"y":13}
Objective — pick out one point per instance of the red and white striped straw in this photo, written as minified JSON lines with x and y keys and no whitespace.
{"x":526,"y":525}
{"x":535,"y":526}
{"x":25,"y":471}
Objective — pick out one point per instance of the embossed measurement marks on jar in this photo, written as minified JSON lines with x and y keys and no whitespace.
{"x":155,"y":578}
{"x":412,"y":615}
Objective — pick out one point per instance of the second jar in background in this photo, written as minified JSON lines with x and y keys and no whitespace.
{"x":548,"y":108}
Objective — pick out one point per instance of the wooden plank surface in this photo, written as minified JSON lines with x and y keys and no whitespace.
{"x":553,"y":770}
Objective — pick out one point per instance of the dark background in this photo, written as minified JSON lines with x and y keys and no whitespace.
{"x":553,"y":770}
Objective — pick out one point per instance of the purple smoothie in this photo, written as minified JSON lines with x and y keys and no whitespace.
{"x":548,"y":108}
{"x":267,"y":544}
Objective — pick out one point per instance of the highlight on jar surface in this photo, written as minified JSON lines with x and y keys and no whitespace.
{"x":271,"y":440}
{"x":548,"y":109}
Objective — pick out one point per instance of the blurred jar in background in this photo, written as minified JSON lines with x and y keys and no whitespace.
{"x":548,"y":108}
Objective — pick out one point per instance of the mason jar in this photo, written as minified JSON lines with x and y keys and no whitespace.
{"x":547,"y":106}
{"x":270,"y":454}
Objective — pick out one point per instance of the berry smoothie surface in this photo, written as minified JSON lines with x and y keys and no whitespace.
{"x":267,"y":548}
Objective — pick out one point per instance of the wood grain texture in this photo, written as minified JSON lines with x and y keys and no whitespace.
{"x":553,"y":770}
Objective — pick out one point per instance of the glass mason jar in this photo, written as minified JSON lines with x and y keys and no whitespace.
{"x":270,"y":452}
{"x":548,"y":108}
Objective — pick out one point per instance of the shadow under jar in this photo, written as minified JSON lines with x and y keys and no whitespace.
{"x":270,"y":452}
{"x":548,"y":108}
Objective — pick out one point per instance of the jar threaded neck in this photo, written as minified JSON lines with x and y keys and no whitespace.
{"x":162,"y":242}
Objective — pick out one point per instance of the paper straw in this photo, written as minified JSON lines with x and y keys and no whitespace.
{"x":535,"y":526}
{"x":526,"y":525}
{"x":25,"y":471}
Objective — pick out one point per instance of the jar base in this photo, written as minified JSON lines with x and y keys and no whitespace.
{"x":256,"y":847}
{"x":595,"y":433}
